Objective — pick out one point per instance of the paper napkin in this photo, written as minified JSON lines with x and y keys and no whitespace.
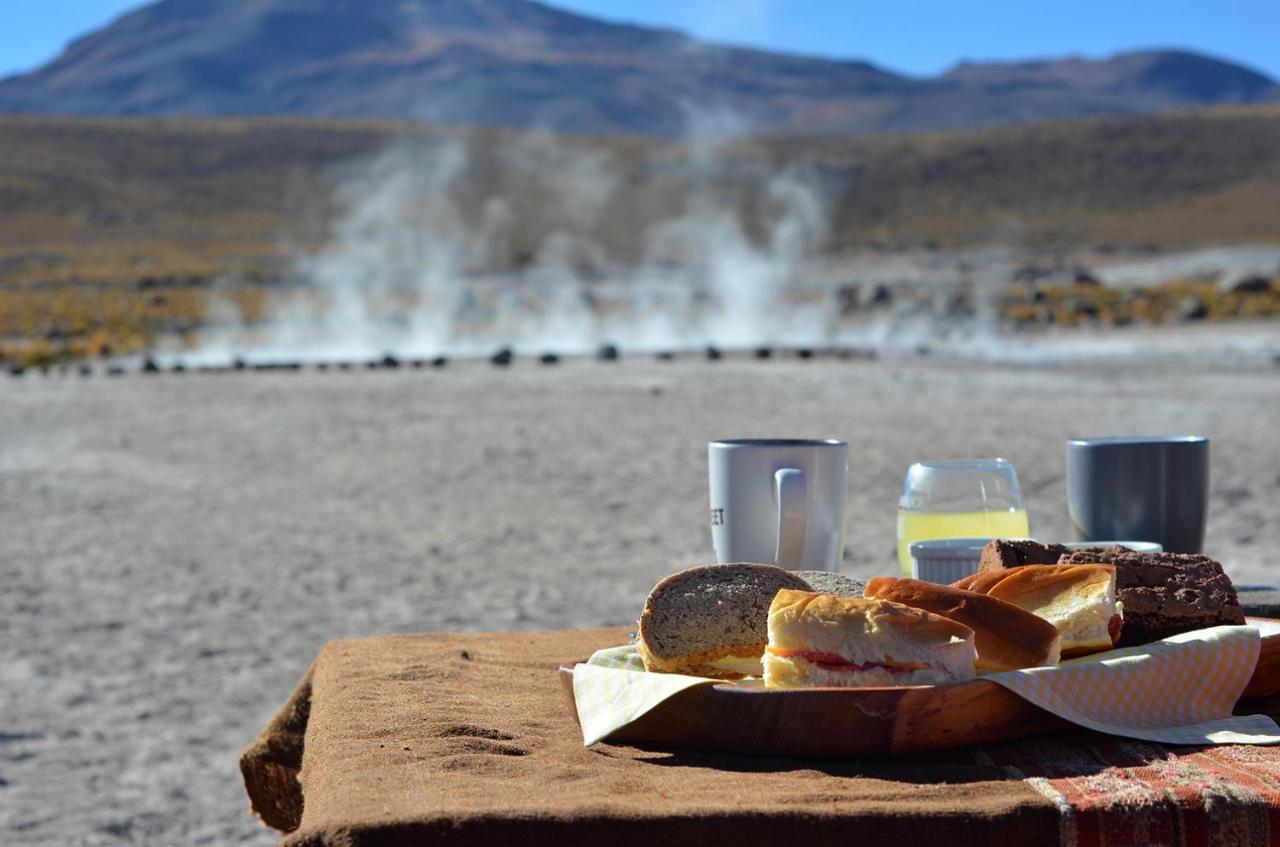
{"x":1177,"y":691}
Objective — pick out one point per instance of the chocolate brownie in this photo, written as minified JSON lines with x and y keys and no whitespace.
{"x":1001,"y":553}
{"x":1166,"y":593}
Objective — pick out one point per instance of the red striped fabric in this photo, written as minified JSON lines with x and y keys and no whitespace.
{"x":1112,"y":791}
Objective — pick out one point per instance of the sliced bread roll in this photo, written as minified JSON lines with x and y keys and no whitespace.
{"x":1007,"y":637}
{"x":1080,"y":600}
{"x":825,"y":640}
{"x":712,"y":620}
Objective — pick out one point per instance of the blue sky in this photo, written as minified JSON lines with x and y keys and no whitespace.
{"x":912,"y":36}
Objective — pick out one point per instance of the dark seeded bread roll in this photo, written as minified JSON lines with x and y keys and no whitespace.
{"x":712,"y":620}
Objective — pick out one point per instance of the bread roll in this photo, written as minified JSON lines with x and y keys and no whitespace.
{"x":822,"y":639}
{"x":1080,"y":600}
{"x":1006,"y":637}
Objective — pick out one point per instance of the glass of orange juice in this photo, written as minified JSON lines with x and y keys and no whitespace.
{"x":963,"y":498}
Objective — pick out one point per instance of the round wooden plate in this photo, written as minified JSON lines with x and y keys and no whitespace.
{"x":847,"y":722}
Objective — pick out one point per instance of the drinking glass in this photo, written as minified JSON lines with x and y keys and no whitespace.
{"x":965,"y":498}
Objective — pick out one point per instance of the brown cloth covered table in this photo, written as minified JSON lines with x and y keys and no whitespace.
{"x":467,"y":739}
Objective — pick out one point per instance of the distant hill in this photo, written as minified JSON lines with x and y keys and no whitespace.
{"x":112,"y":199}
{"x":113,"y":230}
{"x":517,"y":63}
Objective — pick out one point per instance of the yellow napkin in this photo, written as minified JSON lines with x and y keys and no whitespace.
{"x":1177,"y":691}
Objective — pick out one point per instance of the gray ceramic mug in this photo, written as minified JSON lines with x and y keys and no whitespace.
{"x":1148,"y":489}
{"x":779,"y":501}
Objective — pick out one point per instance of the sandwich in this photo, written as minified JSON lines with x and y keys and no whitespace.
{"x":711,"y":620}
{"x":1006,"y":636}
{"x":823,"y":639}
{"x":1080,"y":600}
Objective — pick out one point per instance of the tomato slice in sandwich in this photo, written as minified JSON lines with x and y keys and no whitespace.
{"x":832,"y":662}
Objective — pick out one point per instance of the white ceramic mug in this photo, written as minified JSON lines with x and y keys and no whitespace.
{"x":779,"y":500}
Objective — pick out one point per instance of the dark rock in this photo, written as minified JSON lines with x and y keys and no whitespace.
{"x":608,"y":353}
{"x":239,"y":364}
{"x":178,"y":368}
{"x":1245,"y":284}
{"x":16,"y":370}
{"x":373,"y":365}
{"x":149,"y":366}
{"x":665,"y":356}
{"x":1083,"y":276}
{"x":847,"y":297}
{"x":713,"y":353}
{"x":804,"y":353}
{"x":549,"y":359}
{"x":1027,"y":273}
{"x":322,"y":366}
{"x":418,"y":364}
{"x":764,"y":353}
{"x":881,"y":296}
{"x":1082,"y":308}
{"x":344,"y":366}
{"x":958,"y":307}
{"x":86,"y":370}
{"x":503,"y":357}
{"x":115,"y":370}
{"x":390,"y":361}
{"x":1192,"y":309}
{"x":439,"y":362}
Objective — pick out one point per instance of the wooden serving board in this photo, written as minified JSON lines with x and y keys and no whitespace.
{"x":847,"y":722}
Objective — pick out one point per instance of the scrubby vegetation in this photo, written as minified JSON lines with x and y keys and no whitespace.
{"x":1178,"y":301}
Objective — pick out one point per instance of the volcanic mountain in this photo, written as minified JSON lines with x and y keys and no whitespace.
{"x":518,"y":63}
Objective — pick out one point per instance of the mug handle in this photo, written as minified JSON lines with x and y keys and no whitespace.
{"x":790,"y":490}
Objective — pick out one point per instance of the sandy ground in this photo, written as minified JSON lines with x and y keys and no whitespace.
{"x":174,"y":549}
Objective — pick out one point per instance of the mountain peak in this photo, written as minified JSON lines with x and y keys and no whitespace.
{"x":525,"y":64}
{"x":1182,"y":75}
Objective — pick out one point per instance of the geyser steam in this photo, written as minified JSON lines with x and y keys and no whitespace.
{"x":464,"y":243}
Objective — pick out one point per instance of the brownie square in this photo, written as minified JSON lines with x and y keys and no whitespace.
{"x":1000,"y":553}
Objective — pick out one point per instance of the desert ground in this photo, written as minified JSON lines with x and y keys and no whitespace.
{"x":175,"y":548}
